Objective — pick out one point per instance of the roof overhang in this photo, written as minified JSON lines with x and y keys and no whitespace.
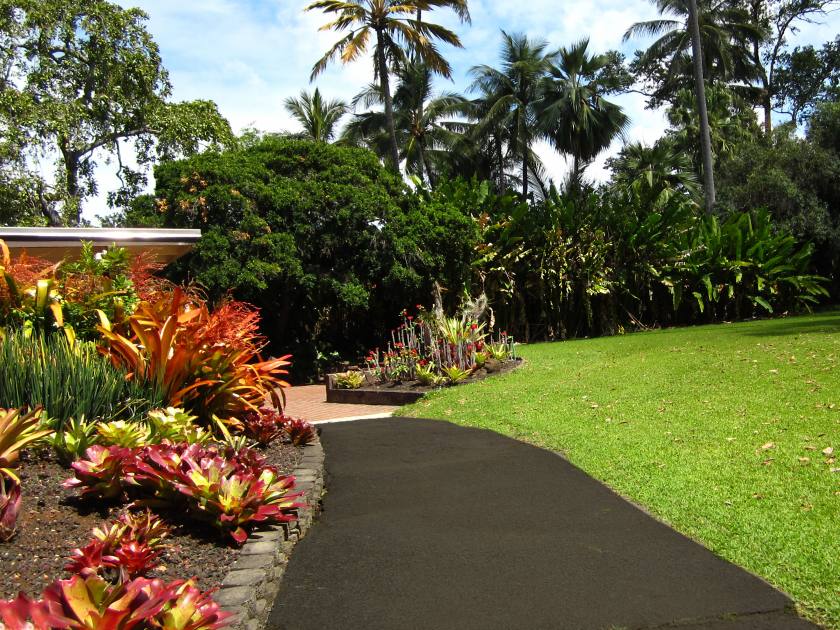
{"x":58,"y":244}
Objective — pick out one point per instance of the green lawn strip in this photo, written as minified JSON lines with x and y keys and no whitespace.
{"x":718,"y":430}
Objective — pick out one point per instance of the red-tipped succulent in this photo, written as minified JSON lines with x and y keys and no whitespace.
{"x":100,"y":475}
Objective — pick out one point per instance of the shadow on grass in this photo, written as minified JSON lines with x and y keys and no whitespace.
{"x":826,"y":322}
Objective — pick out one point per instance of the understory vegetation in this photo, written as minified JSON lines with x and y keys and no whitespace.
{"x":729,"y":433}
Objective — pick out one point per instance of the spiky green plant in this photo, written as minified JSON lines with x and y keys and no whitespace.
{"x":68,"y":380}
{"x":122,"y":433}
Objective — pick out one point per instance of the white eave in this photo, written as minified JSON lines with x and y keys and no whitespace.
{"x":57,"y":244}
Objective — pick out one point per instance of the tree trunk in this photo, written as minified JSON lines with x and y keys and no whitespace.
{"x":427,"y":165}
{"x":385,"y":86}
{"x":72,"y":200}
{"x":700,"y":93}
{"x":500,"y":156}
{"x":525,"y":175}
{"x":768,"y":112}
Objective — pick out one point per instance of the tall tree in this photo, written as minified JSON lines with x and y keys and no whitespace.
{"x":804,"y":78}
{"x":726,"y":35}
{"x":318,"y":117}
{"x":422,"y":122}
{"x":700,"y":94}
{"x":394,"y":28}
{"x":572,"y":110}
{"x":659,"y":171}
{"x":779,"y":20}
{"x":81,"y":80}
{"x":511,"y":94}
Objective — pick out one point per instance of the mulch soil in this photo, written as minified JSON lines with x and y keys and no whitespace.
{"x":53,"y":521}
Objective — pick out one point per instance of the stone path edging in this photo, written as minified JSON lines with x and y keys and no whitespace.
{"x":252,"y":584}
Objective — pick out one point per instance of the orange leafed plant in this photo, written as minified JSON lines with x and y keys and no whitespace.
{"x":206,"y":362}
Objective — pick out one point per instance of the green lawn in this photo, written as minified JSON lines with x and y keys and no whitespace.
{"x":725,"y":432}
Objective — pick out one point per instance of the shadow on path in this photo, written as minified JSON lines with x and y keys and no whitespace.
{"x":434,"y":526}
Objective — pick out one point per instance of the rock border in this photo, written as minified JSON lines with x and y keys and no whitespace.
{"x":252,"y":583}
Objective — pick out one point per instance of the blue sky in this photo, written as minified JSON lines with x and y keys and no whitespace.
{"x":249,"y":55}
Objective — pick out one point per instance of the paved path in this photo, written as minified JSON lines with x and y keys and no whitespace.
{"x":427,"y":525}
{"x":310,"y":403}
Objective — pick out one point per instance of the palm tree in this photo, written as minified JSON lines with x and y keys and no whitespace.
{"x":393,"y":27}
{"x":726,"y":32}
{"x":319,"y":118}
{"x":573,"y":112}
{"x":510,"y":95}
{"x":659,"y":171}
{"x":424,"y":131}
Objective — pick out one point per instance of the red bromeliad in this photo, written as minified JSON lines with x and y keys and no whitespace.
{"x":228,"y":489}
{"x":91,"y":603}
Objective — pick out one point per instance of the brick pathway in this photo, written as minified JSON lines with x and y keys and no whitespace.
{"x":310,"y":403}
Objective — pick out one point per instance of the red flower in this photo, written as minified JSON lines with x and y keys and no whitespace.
{"x":474,"y":326}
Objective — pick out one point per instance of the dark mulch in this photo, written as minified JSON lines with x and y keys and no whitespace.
{"x":53,"y":521}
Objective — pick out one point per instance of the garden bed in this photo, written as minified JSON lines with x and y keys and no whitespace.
{"x":53,"y":521}
{"x":404,"y":392}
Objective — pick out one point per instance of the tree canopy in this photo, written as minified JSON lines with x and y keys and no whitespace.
{"x":82,"y":81}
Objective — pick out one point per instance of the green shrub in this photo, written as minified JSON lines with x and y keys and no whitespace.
{"x":70,"y":381}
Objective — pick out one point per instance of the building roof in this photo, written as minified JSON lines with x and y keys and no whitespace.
{"x":61,"y":243}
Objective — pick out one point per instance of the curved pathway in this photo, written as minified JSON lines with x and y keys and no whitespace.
{"x":434,"y":526}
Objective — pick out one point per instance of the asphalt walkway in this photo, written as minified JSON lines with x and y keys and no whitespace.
{"x":434,"y":526}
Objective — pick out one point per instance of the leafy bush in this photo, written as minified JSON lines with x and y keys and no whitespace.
{"x":70,"y":380}
{"x":101,"y":474}
{"x":425,"y":373}
{"x":326,"y":241}
{"x":122,"y":433}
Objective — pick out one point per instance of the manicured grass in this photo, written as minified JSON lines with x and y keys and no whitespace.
{"x":725,"y":432}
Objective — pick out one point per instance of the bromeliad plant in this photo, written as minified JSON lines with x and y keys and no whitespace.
{"x":264,"y":426}
{"x":92,"y":603}
{"x":205,"y":362}
{"x":119,"y":551}
{"x":176,"y":425}
{"x":226,"y":488}
{"x":298,"y":432}
{"x":16,"y":432}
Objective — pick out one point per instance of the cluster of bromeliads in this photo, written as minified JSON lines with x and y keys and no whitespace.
{"x":432,"y":349}
{"x":155,"y":401}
